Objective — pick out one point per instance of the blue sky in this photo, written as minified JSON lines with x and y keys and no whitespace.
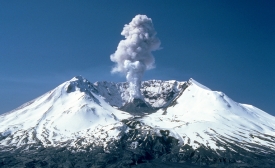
{"x":228,"y":46}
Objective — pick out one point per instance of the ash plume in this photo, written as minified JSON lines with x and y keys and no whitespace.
{"x":133,"y":55}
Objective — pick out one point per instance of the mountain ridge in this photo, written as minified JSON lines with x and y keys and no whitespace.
{"x":188,"y":118}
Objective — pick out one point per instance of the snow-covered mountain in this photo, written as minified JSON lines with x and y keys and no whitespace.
{"x":63,"y":114}
{"x":180,"y":122}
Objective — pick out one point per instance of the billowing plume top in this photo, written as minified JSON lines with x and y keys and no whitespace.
{"x":133,"y":55}
{"x":140,"y":40}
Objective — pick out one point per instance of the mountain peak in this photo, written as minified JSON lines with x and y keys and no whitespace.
{"x":192,"y":81}
{"x":184,"y":117}
{"x":78,"y":83}
{"x":77,"y":78}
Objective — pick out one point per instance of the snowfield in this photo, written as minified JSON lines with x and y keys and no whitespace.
{"x":202,"y":116}
{"x":79,"y":114}
{"x":59,"y":115}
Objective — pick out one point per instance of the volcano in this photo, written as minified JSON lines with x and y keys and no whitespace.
{"x":137,"y":106}
{"x":175,"y":124}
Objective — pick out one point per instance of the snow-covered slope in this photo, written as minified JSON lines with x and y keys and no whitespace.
{"x":65,"y":113}
{"x":200,"y":116}
{"x":187,"y":117}
{"x":78,"y":108}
